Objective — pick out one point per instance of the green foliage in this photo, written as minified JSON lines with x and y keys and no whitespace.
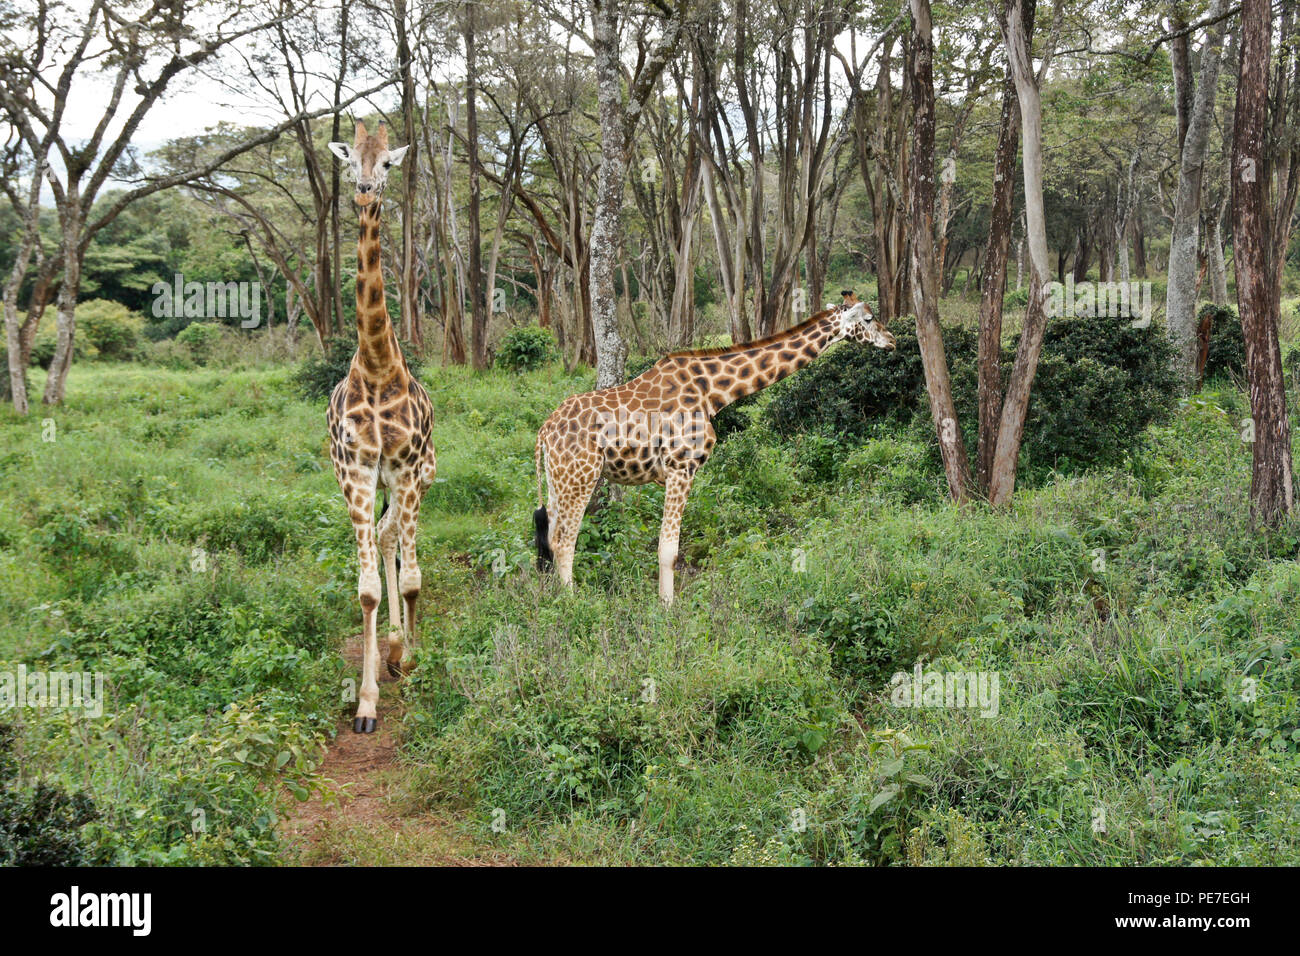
{"x":317,"y":375}
{"x":1145,"y":649}
{"x":1227,"y":354}
{"x":526,"y":348}
{"x":201,"y":339}
{"x":110,"y":328}
{"x":1100,"y":383}
{"x":39,"y":825}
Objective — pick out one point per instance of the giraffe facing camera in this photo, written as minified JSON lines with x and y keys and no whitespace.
{"x":368,"y":160}
{"x":380,"y":427}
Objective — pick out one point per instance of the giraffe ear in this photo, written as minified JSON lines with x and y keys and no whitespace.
{"x":342,"y":150}
{"x":395,"y":156}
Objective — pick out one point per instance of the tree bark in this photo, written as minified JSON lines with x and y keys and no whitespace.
{"x":478,"y":329}
{"x":1272,"y":488}
{"x":611,"y":351}
{"x":1185,"y":238}
{"x":925,"y":274}
{"x":1002,"y":478}
{"x":994,"y":284}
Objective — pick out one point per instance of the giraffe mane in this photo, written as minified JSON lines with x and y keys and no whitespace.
{"x":756,"y":343}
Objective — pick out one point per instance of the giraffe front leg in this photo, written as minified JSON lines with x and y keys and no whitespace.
{"x":361,"y":509}
{"x":388,"y":533}
{"x":410,"y":579}
{"x":676,"y":487}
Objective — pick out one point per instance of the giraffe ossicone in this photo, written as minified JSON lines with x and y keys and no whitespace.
{"x":657,"y":428}
{"x":380,"y":423}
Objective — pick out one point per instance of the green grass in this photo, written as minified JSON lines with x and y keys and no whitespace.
{"x":182,"y":534}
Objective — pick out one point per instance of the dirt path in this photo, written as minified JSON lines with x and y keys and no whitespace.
{"x":369,"y":826}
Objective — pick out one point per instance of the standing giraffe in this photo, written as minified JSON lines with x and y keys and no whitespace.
{"x":379,"y":422}
{"x":656,"y":427}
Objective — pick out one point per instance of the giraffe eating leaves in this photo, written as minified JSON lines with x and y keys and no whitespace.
{"x":380,"y":420}
{"x":656,"y":428}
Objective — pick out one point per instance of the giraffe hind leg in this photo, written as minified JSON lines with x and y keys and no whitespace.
{"x":570,"y":505}
{"x":392,"y":570}
{"x":409,"y":578}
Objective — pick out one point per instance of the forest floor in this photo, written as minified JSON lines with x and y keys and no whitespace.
{"x":369,"y":822}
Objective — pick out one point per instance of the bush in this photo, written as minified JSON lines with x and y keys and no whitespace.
{"x":170,"y":354}
{"x":110,"y":328}
{"x":40,"y":827}
{"x":856,"y":387}
{"x":526,"y":348}
{"x":202,"y":339}
{"x":47,"y":340}
{"x":1100,"y":383}
{"x":1227,"y":354}
{"x":317,"y":376}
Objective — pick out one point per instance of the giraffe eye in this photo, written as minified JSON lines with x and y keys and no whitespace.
{"x":387,"y":164}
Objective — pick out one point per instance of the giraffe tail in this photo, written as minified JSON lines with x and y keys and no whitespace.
{"x":542,"y":521}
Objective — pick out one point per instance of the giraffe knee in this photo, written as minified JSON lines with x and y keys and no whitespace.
{"x":368,"y":590}
{"x":409,"y":580}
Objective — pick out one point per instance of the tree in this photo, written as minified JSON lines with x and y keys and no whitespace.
{"x":1195,"y":120}
{"x":1264,"y":163}
{"x":924,"y":264}
{"x":1014,"y":20}
{"x":141,"y":50}
{"x":618,"y":122}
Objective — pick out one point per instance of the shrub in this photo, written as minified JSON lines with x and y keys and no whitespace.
{"x":526,"y":348}
{"x":47,"y":340}
{"x":40,"y":827}
{"x":1100,"y":383}
{"x":850,"y":390}
{"x":1227,"y":354}
{"x":202,"y":339}
{"x":110,"y":328}
{"x":318,"y":375}
{"x":170,"y":354}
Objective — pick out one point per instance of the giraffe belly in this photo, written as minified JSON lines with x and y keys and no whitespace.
{"x":623,"y":470}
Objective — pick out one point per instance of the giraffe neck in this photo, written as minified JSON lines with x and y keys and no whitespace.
{"x":741,"y":370}
{"x":377,"y":347}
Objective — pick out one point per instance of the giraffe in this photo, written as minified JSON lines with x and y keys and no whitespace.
{"x":656,"y":428}
{"x":379,"y":424}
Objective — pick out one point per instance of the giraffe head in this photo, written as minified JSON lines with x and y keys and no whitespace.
{"x":855,"y":320}
{"x":369,"y":159}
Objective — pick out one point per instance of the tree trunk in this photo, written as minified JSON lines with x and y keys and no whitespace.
{"x":1272,"y":488}
{"x":611,"y":352}
{"x":409,"y":322}
{"x":1184,"y":238}
{"x":56,"y":383}
{"x":478,"y":307}
{"x":1002,"y":478}
{"x":925,"y":277}
{"x":1218,"y":268}
{"x":994,"y":282}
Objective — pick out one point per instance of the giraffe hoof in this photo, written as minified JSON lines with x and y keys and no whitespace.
{"x":364,"y":725}
{"x":401,"y":669}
